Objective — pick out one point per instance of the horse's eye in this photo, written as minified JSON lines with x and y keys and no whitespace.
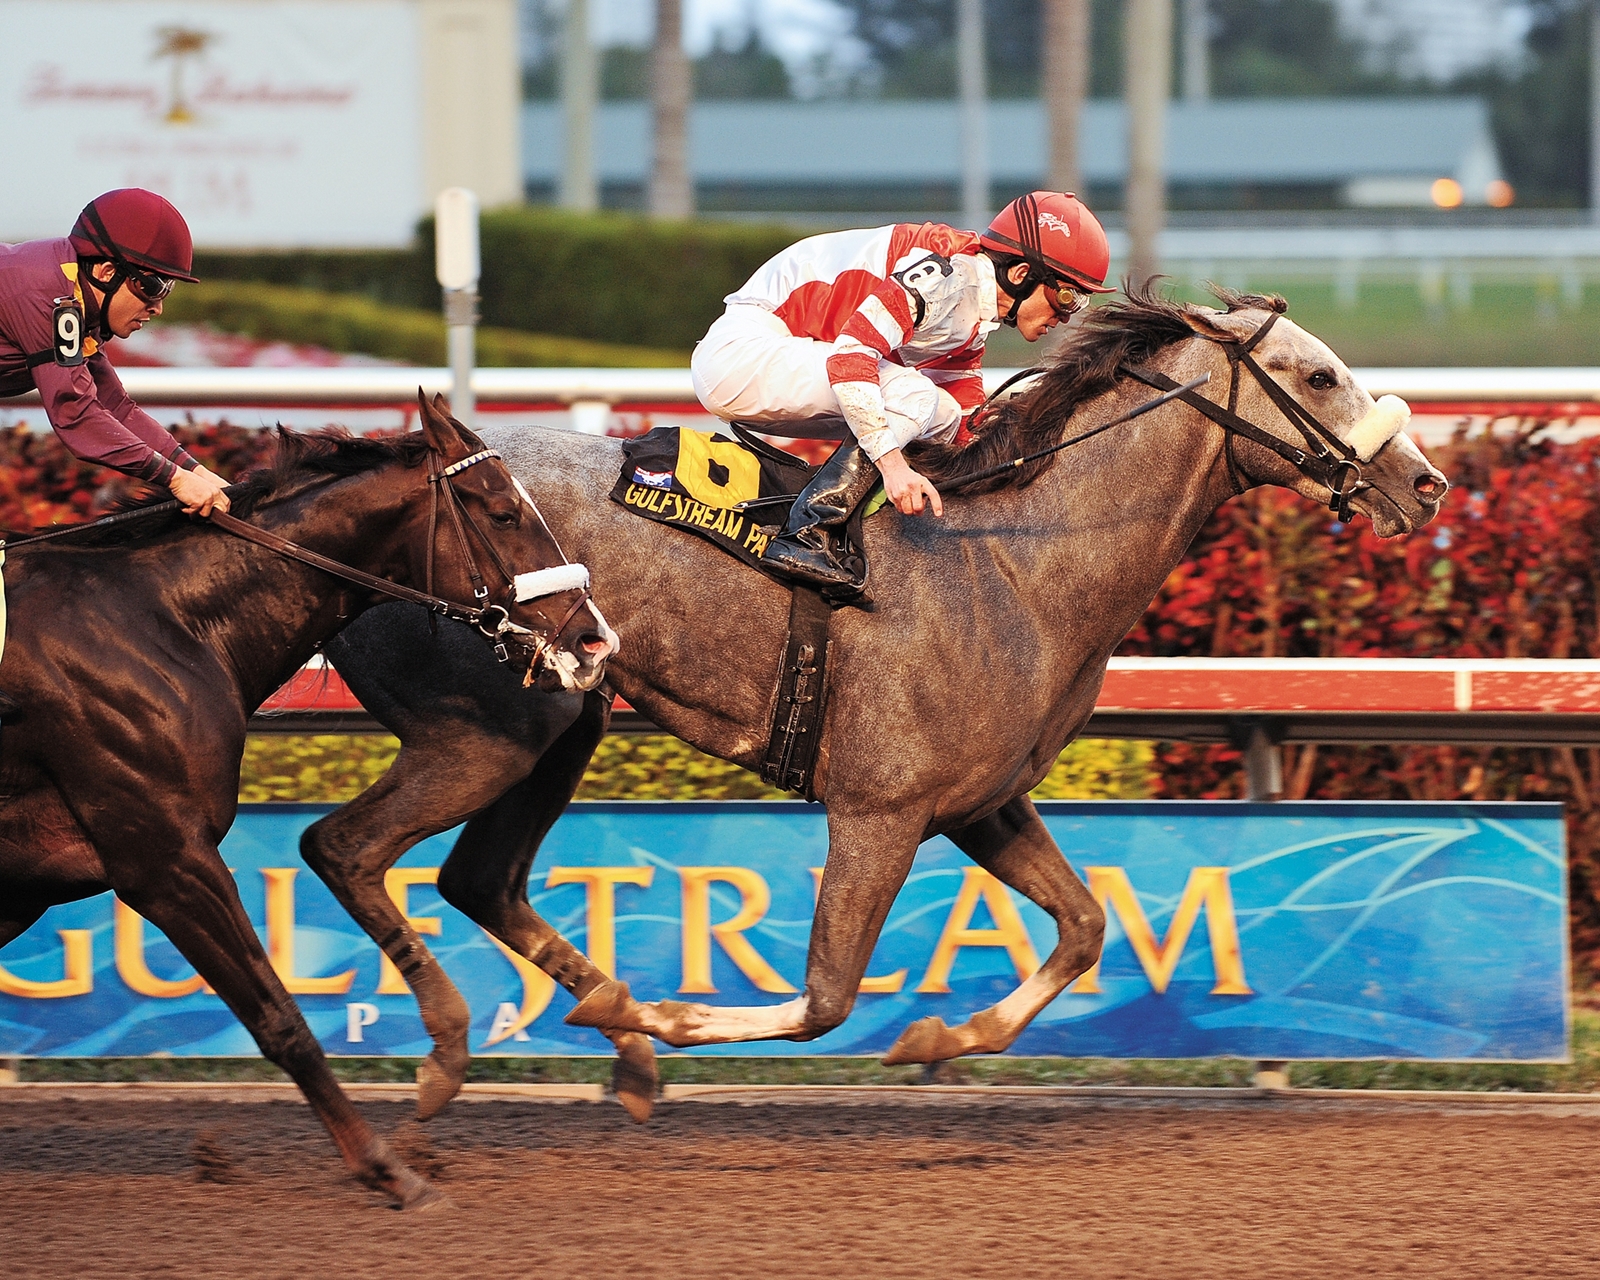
{"x":505,"y":519}
{"x":1321,"y":380}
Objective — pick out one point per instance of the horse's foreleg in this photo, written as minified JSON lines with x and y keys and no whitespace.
{"x":1013,"y":846}
{"x":439,"y":779}
{"x":868,"y":858}
{"x":486,"y":878}
{"x":192,"y":899}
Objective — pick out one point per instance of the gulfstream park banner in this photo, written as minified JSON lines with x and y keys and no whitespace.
{"x":1291,"y":930}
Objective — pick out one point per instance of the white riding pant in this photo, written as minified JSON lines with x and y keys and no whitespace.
{"x":750,"y":368}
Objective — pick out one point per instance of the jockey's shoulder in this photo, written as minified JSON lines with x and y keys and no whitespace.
{"x":37,"y":263}
{"x":946,"y":241}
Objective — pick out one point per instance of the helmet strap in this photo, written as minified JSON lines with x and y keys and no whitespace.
{"x":108,"y":290}
{"x":1018,"y":293}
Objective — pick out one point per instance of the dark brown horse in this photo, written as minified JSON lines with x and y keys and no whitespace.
{"x":980,"y":658}
{"x":137,"y":654}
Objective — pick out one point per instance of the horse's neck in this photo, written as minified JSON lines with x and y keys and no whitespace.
{"x":1123,"y":509}
{"x":265,"y":614}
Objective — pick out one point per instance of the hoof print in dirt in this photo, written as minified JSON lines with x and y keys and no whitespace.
{"x":412,"y":1143}
{"x":211,"y":1162}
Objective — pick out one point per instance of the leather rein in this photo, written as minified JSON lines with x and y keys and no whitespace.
{"x":493,"y":621}
{"x":1326,"y":458}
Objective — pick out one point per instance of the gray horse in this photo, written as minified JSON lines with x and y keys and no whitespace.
{"x":978,"y":660}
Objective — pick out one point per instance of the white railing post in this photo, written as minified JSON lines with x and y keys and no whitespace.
{"x":458,"y":267}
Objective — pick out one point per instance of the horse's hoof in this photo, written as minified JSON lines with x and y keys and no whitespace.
{"x":634,"y":1078}
{"x":604,"y":1007}
{"x":436,"y":1085}
{"x":925,"y":1040}
{"x":425,"y":1199}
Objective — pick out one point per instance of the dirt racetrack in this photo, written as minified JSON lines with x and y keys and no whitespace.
{"x":962,"y":1186}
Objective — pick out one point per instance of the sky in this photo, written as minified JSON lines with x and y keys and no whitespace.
{"x":1439,"y":37}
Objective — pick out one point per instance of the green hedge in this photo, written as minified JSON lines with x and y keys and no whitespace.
{"x":347,"y":322}
{"x":608,"y":277}
{"x":332,"y":768}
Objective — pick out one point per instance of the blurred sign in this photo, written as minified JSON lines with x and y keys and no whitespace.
{"x":1294,"y":930}
{"x":267,"y":124}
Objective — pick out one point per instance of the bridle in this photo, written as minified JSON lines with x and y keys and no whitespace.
{"x":1326,"y":459}
{"x":493,"y":621}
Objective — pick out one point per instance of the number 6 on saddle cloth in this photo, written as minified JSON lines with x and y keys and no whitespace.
{"x":734,"y":493}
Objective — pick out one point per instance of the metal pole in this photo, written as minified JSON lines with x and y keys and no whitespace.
{"x":1066,"y":85}
{"x":1594,"y":112}
{"x":1147,"y":49}
{"x":458,"y":265}
{"x":461,"y":324}
{"x":671,"y":186}
{"x":580,"y":95}
{"x":1263,"y":766}
{"x":970,"y":73}
{"x":1196,"y":51}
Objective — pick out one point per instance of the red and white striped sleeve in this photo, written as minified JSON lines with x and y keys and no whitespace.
{"x":880,"y":326}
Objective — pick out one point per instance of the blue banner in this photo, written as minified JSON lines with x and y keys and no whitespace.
{"x":1291,"y":930}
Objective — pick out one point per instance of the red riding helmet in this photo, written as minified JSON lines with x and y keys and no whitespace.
{"x":136,"y":227}
{"x":1055,"y":235}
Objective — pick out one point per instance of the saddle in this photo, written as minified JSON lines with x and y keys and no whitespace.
{"x":736,"y":494}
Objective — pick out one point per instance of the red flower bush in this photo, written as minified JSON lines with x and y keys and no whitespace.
{"x":1507,"y":570}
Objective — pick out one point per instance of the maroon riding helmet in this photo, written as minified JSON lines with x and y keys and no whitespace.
{"x":137,"y":228}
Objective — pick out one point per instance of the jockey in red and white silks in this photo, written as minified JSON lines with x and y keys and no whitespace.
{"x":885,"y":329}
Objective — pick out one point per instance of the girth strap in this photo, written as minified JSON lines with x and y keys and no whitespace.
{"x":801,"y":696}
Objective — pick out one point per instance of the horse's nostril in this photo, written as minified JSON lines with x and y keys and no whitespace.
{"x":592,"y":643}
{"x":1429,"y":487}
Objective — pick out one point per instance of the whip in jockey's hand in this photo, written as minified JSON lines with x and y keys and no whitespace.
{"x":884,"y":329}
{"x":62,"y":300}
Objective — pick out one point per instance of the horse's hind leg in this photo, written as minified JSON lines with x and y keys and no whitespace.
{"x":192,"y":899}
{"x":486,"y":877}
{"x":443,"y":775}
{"x":1014,"y":847}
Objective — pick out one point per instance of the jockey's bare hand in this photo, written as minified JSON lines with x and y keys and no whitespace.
{"x":906,"y":488}
{"x":200,"y":491}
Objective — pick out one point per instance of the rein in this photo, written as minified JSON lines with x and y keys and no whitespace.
{"x":1326,"y":459}
{"x":1175,"y":393}
{"x":492,"y":621}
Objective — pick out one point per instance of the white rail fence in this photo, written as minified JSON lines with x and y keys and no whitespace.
{"x":585,"y":398}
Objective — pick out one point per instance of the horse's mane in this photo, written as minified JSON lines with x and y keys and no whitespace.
{"x":1083,"y":367}
{"x":332,"y":451}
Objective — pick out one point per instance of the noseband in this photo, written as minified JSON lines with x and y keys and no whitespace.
{"x":520,"y":587}
{"x":1326,"y":459}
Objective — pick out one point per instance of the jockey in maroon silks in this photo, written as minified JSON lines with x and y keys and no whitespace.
{"x":62,"y":300}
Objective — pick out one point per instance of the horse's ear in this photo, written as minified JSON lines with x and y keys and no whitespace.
{"x":1212,"y":324}
{"x":444,"y":433}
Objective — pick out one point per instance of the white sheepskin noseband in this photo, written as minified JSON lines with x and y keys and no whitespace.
{"x":1384,"y":421}
{"x":563,"y":577}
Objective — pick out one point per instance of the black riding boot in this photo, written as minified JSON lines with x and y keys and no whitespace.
{"x":804,"y":550}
